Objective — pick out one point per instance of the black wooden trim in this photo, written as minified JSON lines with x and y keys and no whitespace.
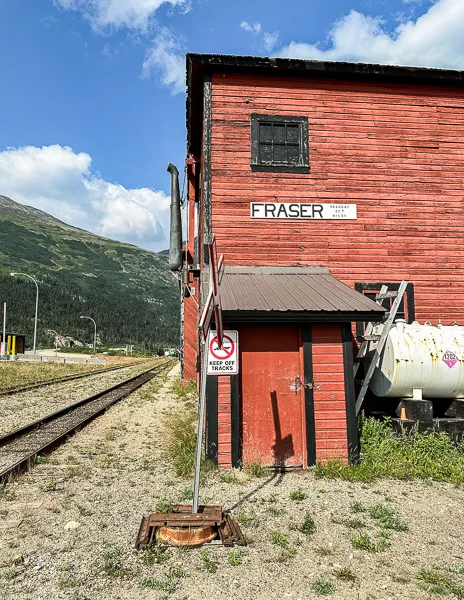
{"x":392,"y":287}
{"x":212,"y":418}
{"x":207,"y":120}
{"x":350,"y":396}
{"x":235,"y":420}
{"x":296,"y":317}
{"x":309,"y":396}
{"x":279,"y":169}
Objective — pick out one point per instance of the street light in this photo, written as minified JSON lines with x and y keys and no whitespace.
{"x":95,"y":333}
{"x":36,"y":306}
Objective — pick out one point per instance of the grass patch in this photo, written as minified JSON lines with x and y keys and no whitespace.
{"x":324,"y":550}
{"x":429,"y":456}
{"x":438,"y":584}
{"x":350,"y":523}
{"x":298,"y":495}
{"x":49,"y":486}
{"x":357,"y":507}
{"x":386,"y":517}
{"x":185,"y":390}
{"x":345,"y":574}
{"x":236,"y":557}
{"x":361,"y":541}
{"x":255,"y":468}
{"x":163,"y":506}
{"x":156,"y":555}
{"x":209,"y":564}
{"x":169,"y":584}
{"x":250,"y":518}
{"x":286,"y":550}
{"x":323,"y":587}
{"x":113,"y":564}
{"x":308,"y":526}
{"x":180,"y":428}
{"x":228,"y":476}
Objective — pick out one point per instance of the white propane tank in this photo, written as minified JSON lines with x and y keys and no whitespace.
{"x":421,"y":356}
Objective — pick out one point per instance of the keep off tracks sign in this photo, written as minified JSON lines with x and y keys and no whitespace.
{"x":223,"y":361}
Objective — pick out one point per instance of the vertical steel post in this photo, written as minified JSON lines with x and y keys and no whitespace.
{"x":3,"y":348}
{"x":201,"y":417}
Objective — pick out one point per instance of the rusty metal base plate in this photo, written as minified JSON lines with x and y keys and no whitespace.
{"x":207,"y":517}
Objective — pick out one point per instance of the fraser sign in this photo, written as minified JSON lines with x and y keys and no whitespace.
{"x":298,"y":210}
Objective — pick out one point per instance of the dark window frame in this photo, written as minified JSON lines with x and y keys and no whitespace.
{"x":410,"y":309}
{"x":283,"y":167}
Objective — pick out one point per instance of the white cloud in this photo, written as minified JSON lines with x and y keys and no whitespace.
{"x":168,"y":58}
{"x":134,"y":14}
{"x":434,"y":39}
{"x":61,"y":182}
{"x":256,"y":28}
{"x":268,"y":40}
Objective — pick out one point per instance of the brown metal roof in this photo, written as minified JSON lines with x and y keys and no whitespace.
{"x":293,"y":292}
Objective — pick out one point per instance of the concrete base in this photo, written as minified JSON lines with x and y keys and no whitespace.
{"x":416,"y":410}
{"x":453,"y":427}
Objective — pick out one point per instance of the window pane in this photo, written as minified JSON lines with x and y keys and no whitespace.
{"x":265,"y":153}
{"x":292,"y":134}
{"x":265,"y":132}
{"x":293,"y":155}
{"x":279,"y":154}
{"x":278,"y":132}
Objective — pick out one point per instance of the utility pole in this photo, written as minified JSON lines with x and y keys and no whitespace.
{"x":3,"y":347}
{"x":95,"y":333}
{"x":36,"y":306}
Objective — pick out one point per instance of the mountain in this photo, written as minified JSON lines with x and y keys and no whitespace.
{"x":130,"y":292}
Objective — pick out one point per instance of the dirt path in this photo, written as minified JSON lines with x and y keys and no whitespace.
{"x":69,"y":526}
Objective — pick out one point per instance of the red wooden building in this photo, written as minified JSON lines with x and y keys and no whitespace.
{"x":321,"y":182}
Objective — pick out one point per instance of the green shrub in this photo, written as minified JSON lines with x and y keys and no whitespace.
{"x":413,"y":455}
{"x":255,"y":468}
{"x":308,"y":526}
{"x":298,"y":495}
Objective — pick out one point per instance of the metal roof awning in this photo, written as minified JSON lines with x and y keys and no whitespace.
{"x":292,"y":294}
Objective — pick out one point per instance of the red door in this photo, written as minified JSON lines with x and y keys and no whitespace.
{"x":271,"y":396}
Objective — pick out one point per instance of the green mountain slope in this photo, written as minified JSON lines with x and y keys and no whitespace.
{"x":127,"y":290}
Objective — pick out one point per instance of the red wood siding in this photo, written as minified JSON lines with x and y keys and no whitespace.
{"x":224,"y":423}
{"x":329,"y":392}
{"x":190,"y":334}
{"x":396,"y":151}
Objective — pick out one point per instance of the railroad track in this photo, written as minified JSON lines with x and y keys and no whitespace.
{"x":19,"y":448}
{"x":31,"y":386}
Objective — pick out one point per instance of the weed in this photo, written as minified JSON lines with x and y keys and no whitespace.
{"x":440,"y":585}
{"x":67,"y":582}
{"x":163,"y":506}
{"x":236,"y":557}
{"x":323,"y":550}
{"x":110,"y":436}
{"x":84,"y":512}
{"x":282,"y":542}
{"x":322,"y":587}
{"x":357,"y":507}
{"x":41,"y":460}
{"x":184,"y":390}
{"x":113,"y":564}
{"x":350,"y":523}
{"x":298,"y":495}
{"x":308,"y":526}
{"x":208,"y":563}
{"x":186,"y":494}
{"x":12,"y":544}
{"x":10,"y":574}
{"x":387,"y":518}
{"x":274,"y":511}
{"x":173,"y":576}
{"x":228,"y":477}
{"x":362,"y":541}
{"x":255,"y":468}
{"x":345,"y":574}
{"x":181,"y":438}
{"x":429,"y":456}
{"x":49,"y":486}
{"x":250,"y":518}
{"x":156,"y":555}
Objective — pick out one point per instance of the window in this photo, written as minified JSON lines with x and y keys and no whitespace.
{"x":279,"y":144}
{"x":406,"y":309}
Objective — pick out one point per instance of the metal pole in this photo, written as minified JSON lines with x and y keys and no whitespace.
{"x":94,"y":334}
{"x":36,"y":307}
{"x":201,"y":417}
{"x":3,"y":349}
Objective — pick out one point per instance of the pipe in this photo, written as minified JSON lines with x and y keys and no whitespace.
{"x":175,"y":238}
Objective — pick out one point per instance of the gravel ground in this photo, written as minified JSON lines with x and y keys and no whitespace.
{"x":19,"y":409}
{"x":69,"y":526}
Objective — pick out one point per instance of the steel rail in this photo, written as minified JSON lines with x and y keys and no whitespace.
{"x":46,"y":433}
{"x":64,"y":379}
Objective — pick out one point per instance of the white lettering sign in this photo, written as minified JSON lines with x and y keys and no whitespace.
{"x":298,"y":210}
{"x":223,"y":361}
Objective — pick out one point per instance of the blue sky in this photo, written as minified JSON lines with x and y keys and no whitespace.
{"x":92,"y":106}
